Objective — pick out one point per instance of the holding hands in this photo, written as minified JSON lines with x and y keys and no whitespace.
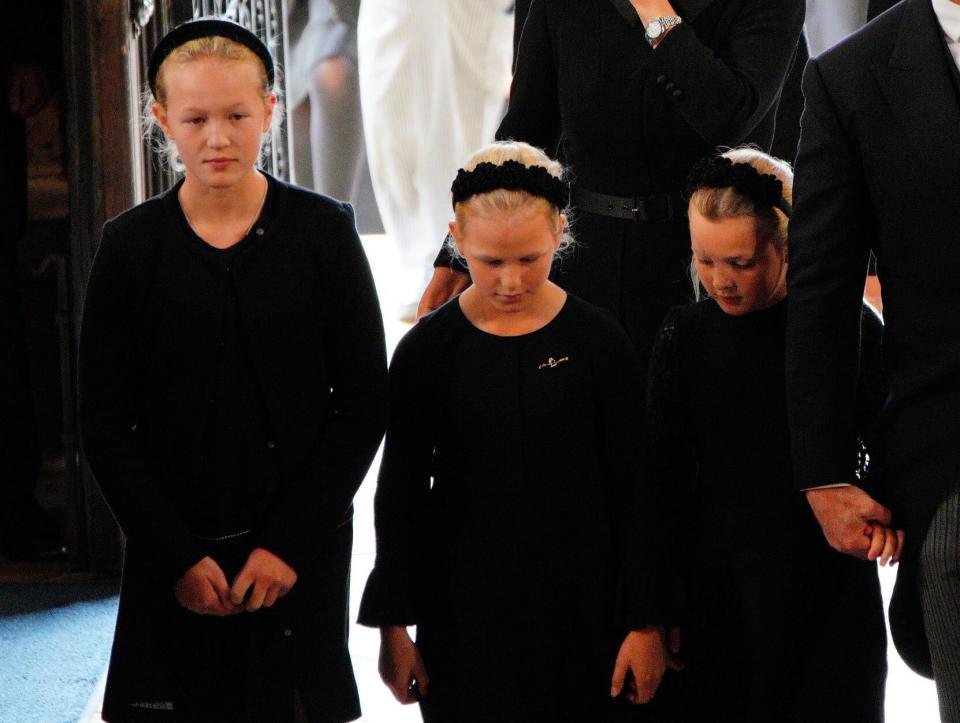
{"x":854,"y":523}
{"x":401,"y":666}
{"x":204,"y":589}
{"x":646,"y":654}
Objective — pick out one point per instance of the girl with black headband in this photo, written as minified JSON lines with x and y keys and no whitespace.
{"x":776,"y":626}
{"x":505,"y":506}
{"x":231,"y":402}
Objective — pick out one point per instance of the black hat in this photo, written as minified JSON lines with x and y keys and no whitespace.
{"x":205,"y":28}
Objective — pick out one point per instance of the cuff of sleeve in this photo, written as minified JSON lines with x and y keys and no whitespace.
{"x":445,"y":259}
{"x":387,"y":602}
{"x":174,"y":559}
{"x":650,"y":599}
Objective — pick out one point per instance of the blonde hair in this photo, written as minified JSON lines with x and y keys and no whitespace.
{"x":715,"y":204}
{"x":210,"y":46}
{"x":504,"y":200}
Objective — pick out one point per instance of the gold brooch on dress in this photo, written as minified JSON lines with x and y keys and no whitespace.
{"x":551,"y":362}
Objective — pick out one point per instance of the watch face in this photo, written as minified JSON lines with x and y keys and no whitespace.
{"x":654,"y":30}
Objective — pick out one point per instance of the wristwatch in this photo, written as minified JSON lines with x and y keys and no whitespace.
{"x":658,"y":26}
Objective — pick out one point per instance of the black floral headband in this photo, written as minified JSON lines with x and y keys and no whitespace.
{"x":763,"y":189}
{"x":513,"y":176}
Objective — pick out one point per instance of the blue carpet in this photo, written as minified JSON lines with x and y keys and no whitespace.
{"x":54,"y":644}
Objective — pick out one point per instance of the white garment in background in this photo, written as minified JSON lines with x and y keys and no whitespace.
{"x":433,"y":83}
{"x":830,"y":21}
{"x":948,"y":14}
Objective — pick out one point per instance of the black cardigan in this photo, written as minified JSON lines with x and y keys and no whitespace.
{"x":149,"y":346}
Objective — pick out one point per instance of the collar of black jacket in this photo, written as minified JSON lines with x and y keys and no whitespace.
{"x":919,"y":32}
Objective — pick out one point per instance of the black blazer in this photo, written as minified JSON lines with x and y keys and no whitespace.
{"x":879,"y":169}
{"x":634,"y":120}
{"x":148,"y":359}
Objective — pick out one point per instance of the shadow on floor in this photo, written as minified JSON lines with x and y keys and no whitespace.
{"x":19,"y":598}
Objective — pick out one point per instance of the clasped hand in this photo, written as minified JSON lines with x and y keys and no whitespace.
{"x":263,"y":580}
{"x":854,"y":523}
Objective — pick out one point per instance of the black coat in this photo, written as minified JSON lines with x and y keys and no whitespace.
{"x":149,"y":359}
{"x":775,"y":623}
{"x":879,"y":169}
{"x":506,"y":513}
{"x":630,"y":120}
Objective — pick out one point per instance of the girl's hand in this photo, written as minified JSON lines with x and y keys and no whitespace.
{"x":268,"y":575}
{"x":644,"y":654}
{"x":400,"y":664}
{"x":203,"y":590}
{"x":886,"y":544}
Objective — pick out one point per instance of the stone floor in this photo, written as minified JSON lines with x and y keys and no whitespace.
{"x":910,"y":699}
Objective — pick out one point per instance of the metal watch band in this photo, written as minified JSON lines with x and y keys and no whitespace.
{"x":659,"y":26}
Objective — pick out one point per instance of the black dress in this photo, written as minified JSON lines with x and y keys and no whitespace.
{"x":514,"y":562}
{"x":776,"y":625}
{"x":632,"y":121}
{"x":230,"y":400}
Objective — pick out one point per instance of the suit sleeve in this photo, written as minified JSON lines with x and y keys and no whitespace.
{"x":521,"y":9}
{"x":669,"y":480}
{"x":829,"y":249}
{"x":619,"y":393}
{"x":395,"y":587}
{"x":533,"y":115}
{"x":724,"y":94}
{"x":355,"y":354}
{"x":109,"y":413}
{"x":872,"y":393}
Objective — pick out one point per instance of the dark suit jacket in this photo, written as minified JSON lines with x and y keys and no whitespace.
{"x":879,"y":169}
{"x":149,"y":355}
{"x":876,"y":7}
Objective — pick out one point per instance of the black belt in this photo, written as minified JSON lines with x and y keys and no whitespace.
{"x":639,"y":209}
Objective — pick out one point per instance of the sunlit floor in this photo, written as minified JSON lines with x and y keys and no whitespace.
{"x":910,"y":698}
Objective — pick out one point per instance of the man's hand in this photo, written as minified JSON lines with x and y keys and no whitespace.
{"x":203,"y":590}
{"x":268,"y":575}
{"x":644,"y":653}
{"x":401,"y":665}
{"x":444,"y":285}
{"x":848,"y":516}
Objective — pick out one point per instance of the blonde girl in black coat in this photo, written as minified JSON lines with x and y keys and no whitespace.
{"x":231,"y":403}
